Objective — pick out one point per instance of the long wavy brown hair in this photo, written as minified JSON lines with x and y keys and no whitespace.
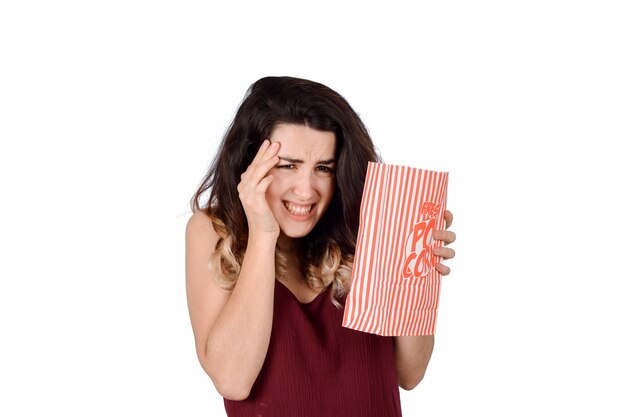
{"x":327,"y":252}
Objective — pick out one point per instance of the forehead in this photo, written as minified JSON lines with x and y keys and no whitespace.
{"x":303,"y":142}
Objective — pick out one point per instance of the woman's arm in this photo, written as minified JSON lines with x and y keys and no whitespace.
{"x":413,"y":352}
{"x":412,"y":357}
{"x":231,"y":330}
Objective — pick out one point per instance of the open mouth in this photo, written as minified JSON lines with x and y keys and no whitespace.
{"x":298,"y":210}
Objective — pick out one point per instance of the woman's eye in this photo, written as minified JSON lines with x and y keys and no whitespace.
{"x":287,"y":166}
{"x":325,"y":169}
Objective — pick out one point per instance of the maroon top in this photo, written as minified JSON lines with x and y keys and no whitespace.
{"x":315,"y":367}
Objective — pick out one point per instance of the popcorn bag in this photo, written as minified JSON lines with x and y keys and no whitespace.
{"x":395,"y":287}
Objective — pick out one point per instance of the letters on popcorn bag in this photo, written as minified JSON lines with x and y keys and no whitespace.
{"x":395,"y":287}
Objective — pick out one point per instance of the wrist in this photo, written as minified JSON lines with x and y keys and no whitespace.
{"x":263,"y":239}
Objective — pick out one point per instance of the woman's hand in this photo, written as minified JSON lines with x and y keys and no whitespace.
{"x":252,"y":187}
{"x":446,"y":237}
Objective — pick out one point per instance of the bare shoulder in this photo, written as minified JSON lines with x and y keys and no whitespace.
{"x":200,"y":232}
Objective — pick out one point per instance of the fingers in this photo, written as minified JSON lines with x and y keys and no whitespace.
{"x":447,"y":216}
{"x":265,"y":182}
{"x":443,"y":270}
{"x":267,"y":157}
{"x":258,"y":158}
{"x":253,"y":186}
{"x":264,"y":160}
{"x":445,"y":253}
{"x":444,"y":235}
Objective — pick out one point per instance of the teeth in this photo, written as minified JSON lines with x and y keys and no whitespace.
{"x":298,"y":210}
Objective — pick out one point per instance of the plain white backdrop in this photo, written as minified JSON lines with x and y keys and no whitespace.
{"x":110,"y":113}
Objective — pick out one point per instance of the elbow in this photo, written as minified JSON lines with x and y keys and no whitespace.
{"x":411,"y":382}
{"x":227,"y":385}
{"x":231,"y":390}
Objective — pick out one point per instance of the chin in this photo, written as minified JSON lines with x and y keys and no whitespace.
{"x":296,"y":228}
{"x":294,"y":234}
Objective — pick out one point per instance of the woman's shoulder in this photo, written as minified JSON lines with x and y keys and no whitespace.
{"x":200,"y":220}
{"x":200,"y":230}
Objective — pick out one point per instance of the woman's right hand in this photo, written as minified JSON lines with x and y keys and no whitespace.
{"x":252,"y":188}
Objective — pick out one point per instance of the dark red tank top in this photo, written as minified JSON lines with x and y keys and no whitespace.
{"x":315,"y":367}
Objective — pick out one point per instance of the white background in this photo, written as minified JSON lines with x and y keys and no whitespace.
{"x":110,"y":113}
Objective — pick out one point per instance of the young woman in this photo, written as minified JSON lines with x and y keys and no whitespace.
{"x":269,"y":257}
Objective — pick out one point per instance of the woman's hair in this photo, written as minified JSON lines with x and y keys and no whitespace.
{"x":327,"y":251}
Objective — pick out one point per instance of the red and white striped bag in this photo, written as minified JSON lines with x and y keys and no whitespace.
{"x":395,"y":287}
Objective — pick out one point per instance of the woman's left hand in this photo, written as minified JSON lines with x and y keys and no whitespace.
{"x":446,"y":237}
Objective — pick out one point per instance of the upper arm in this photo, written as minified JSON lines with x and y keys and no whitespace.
{"x":205,"y":299}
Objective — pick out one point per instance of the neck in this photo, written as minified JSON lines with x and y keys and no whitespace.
{"x":286,"y":244}
{"x":289,"y":262}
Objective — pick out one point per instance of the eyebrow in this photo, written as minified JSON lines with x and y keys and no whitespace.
{"x":300,"y":161}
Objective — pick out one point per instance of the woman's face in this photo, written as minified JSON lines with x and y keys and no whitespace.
{"x":304,"y":178}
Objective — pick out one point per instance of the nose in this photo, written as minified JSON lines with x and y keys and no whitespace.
{"x":303,"y":186}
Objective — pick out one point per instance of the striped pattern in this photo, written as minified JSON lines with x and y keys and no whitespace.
{"x":395,"y":289}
